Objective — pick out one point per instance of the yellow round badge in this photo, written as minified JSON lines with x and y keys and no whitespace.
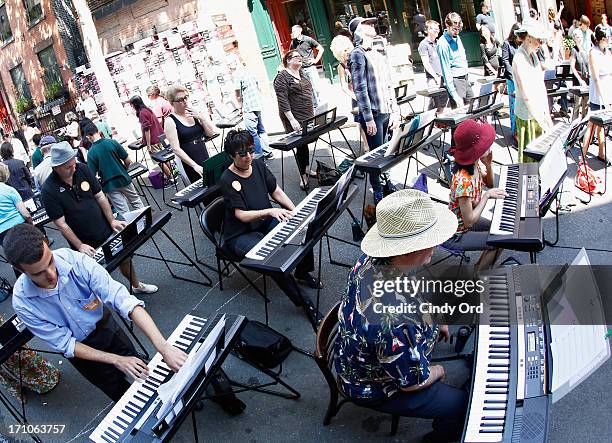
{"x":236,"y":185}
{"x":85,"y":186}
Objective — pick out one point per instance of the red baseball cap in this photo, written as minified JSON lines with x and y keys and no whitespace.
{"x":472,"y":140}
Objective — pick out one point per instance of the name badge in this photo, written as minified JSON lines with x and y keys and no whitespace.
{"x":92,"y":305}
{"x":236,"y":185}
{"x":85,"y":186}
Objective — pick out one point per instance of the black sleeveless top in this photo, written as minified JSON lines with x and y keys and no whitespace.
{"x":187,"y":134}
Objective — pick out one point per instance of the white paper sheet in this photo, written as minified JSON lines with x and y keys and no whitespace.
{"x":577,"y":349}
{"x":206,"y":353}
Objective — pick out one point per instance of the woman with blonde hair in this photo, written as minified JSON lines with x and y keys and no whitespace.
{"x":341,"y":47}
{"x":187,"y":131}
{"x":159,"y":105}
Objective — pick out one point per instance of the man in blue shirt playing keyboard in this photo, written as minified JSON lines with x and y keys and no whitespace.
{"x":453,"y":62}
{"x":64,"y":296}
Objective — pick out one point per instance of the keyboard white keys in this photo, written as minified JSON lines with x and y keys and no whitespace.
{"x":284,"y":232}
{"x":489,"y":404}
{"x":127,"y":409}
{"x":505,"y":213}
{"x":544,"y":142}
{"x":373,"y":154}
{"x":189,"y":189}
{"x":115,"y":245}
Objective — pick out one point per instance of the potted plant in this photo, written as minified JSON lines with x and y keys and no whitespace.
{"x":23,"y":104}
{"x":568,"y":44}
{"x":54,"y":90}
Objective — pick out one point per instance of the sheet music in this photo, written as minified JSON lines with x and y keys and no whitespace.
{"x":206,"y":353}
{"x":130,"y":216}
{"x":553,"y":166}
{"x":30,"y":205}
{"x":343,"y":182}
{"x":577,"y":349}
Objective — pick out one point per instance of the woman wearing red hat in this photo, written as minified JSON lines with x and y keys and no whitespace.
{"x":468,"y":199}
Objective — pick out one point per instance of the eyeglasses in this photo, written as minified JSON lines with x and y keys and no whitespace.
{"x":457,"y":24}
{"x":243,"y":154}
{"x":181,"y":100}
{"x":295,"y":56}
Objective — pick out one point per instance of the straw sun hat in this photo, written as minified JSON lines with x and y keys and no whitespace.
{"x":408,"y":221}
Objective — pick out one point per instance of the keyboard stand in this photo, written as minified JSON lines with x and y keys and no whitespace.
{"x":190,"y":262}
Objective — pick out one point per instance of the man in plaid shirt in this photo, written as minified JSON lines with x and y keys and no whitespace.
{"x":248,"y":95}
{"x":371,"y":81}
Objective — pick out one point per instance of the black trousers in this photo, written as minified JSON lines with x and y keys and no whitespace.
{"x":107,"y":337}
{"x":445,"y":404}
{"x":302,"y":156}
{"x":242,"y":244}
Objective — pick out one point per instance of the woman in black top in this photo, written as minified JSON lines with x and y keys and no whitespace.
{"x":247,"y":186}
{"x":488,"y":52}
{"x":20,"y":177}
{"x":508,"y":50}
{"x":187,"y":131}
{"x":294,"y":95}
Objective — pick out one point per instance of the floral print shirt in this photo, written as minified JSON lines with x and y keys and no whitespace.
{"x":463,"y":184}
{"x":379,"y":354}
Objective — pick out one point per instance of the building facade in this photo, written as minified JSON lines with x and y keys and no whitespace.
{"x":40,"y":46}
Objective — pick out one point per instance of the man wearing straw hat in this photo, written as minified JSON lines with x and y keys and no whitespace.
{"x":383,"y":361}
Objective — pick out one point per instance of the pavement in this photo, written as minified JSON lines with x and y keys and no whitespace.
{"x":583,"y":415}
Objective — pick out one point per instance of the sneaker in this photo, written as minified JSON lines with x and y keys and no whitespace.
{"x":144,"y":288}
{"x":168,"y":183}
{"x":268,"y":155}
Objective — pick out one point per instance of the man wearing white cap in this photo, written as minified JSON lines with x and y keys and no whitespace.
{"x":383,"y":361}
{"x":531,"y":102}
{"x":74,"y":200}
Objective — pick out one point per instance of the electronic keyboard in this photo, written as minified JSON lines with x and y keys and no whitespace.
{"x":454,"y":117}
{"x":136,"y":170}
{"x":508,"y":395}
{"x":601,"y":118}
{"x":133,"y":418}
{"x":164,"y":156}
{"x":292,"y":140}
{"x":194,"y":194}
{"x":283,"y":247}
{"x":40,"y":217}
{"x":375,"y":160}
{"x":540,"y":146}
{"x":516,"y":222}
{"x":285,"y":231}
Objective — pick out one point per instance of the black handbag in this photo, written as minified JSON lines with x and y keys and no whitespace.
{"x":262,"y":345}
{"x":326,"y":175}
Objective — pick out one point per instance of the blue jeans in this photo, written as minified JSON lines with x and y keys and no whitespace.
{"x":376,"y":140}
{"x":254,"y":124}
{"x":312,"y":74}
{"x":445,"y":404}
{"x":511,"y":99}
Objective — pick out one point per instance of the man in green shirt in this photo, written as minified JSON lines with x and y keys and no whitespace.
{"x":108,"y":160}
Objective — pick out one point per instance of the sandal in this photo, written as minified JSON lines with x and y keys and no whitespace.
{"x":605,"y":160}
{"x":304,"y":186}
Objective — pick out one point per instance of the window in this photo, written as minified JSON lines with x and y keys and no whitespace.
{"x":34,"y":10}
{"x":5,"y":27}
{"x":51,"y":68}
{"x":51,"y":73}
{"x":20,"y":82}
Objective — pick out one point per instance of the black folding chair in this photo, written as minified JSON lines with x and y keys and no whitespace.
{"x":211,"y":222}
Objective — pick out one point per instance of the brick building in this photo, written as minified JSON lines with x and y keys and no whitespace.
{"x":40,"y":46}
